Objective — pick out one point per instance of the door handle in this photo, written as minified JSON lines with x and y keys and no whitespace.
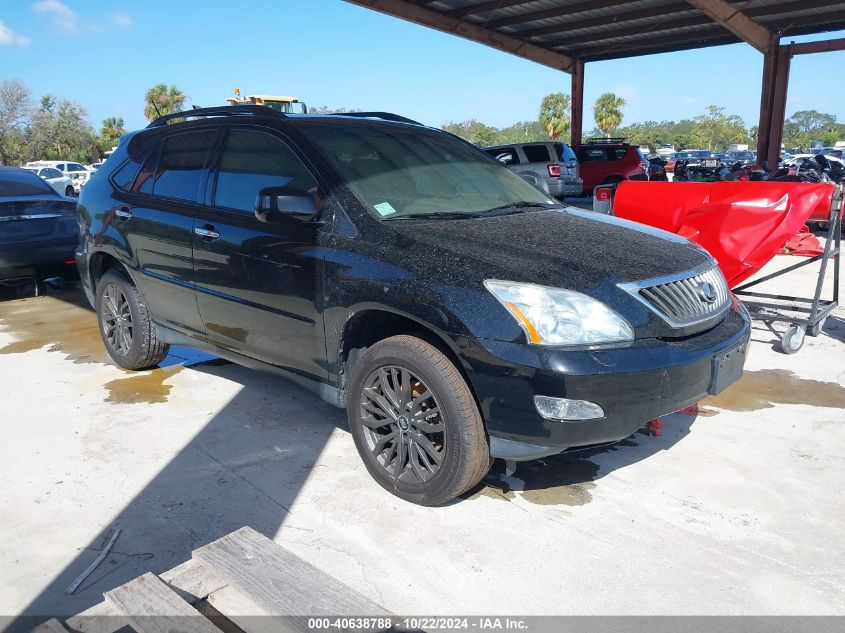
{"x":123,"y":212}
{"x":207,"y":232}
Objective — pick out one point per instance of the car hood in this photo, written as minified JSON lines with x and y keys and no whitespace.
{"x":573,"y":249}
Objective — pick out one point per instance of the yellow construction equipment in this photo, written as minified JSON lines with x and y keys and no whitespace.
{"x":286,"y":105}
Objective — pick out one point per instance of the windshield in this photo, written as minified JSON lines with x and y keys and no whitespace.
{"x":403,"y":171}
{"x":20,"y":184}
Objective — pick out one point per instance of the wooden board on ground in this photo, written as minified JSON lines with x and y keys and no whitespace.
{"x":279,"y":581}
{"x":153,"y":607}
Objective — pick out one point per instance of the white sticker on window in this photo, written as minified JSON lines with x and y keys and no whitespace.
{"x":385,"y":208}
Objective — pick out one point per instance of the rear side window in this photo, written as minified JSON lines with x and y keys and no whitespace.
{"x":252,"y":161}
{"x":505,"y":155}
{"x":181,"y":164}
{"x":591,"y":154}
{"x":617,"y":153}
{"x":564,"y":152}
{"x":536,"y":153}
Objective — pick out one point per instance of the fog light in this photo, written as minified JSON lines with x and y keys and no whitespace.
{"x":566,"y":409}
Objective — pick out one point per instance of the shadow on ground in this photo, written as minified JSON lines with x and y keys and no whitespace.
{"x":568,"y":478}
{"x":222,"y":480}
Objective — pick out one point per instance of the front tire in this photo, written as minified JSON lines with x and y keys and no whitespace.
{"x":126,"y":324}
{"x":415,"y":422}
{"x":69,"y":192}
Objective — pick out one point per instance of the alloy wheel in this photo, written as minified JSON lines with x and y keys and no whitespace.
{"x":403,"y":424}
{"x":117,"y":319}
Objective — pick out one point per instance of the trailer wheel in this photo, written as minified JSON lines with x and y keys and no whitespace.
{"x":792,"y":340}
{"x":817,"y":328}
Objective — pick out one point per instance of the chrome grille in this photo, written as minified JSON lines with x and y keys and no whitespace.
{"x":685,"y":301}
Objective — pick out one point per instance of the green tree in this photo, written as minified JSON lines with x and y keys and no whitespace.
{"x":554,"y":115}
{"x":15,"y":112}
{"x":110,"y":134}
{"x":805,"y":126}
{"x":607,"y":111}
{"x":473,"y":131}
{"x":715,"y":129}
{"x":162,"y":99}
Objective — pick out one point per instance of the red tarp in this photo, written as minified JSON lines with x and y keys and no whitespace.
{"x":742,"y":224}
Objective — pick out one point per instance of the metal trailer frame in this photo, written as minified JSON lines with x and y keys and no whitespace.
{"x":811,"y":312}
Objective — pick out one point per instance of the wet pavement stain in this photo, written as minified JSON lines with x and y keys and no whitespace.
{"x":65,"y":323}
{"x":764,"y":389}
{"x":557,"y":480}
{"x":147,"y":388}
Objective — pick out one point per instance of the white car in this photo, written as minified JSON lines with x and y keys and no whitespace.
{"x":77,"y":172}
{"x":56,"y":179}
{"x":794,"y":158}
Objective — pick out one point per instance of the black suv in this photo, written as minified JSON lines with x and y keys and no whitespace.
{"x":457,"y":313}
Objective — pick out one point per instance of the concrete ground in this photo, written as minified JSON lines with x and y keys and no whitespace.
{"x":735,"y":508}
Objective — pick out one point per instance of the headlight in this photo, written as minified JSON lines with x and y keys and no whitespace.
{"x":551,"y":316}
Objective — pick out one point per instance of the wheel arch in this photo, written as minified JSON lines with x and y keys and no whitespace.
{"x":369,"y":325}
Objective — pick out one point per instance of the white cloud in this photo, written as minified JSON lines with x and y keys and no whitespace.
{"x":65,"y":19}
{"x":61,"y":15}
{"x":9,"y":38}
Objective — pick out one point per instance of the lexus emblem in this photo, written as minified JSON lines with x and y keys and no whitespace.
{"x":707,"y":292}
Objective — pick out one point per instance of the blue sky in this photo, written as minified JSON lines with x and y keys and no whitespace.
{"x":106,"y":53}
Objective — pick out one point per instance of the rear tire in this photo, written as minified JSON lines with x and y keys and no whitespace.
{"x":415,"y":422}
{"x":126,"y":323}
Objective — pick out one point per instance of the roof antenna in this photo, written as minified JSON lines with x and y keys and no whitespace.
{"x":155,"y":107}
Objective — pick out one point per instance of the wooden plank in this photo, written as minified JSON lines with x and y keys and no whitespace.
{"x":103,"y":617}
{"x":278,"y":581}
{"x":243,"y":611}
{"x":152,"y":607}
{"x":50,"y":626}
{"x":193,"y":580}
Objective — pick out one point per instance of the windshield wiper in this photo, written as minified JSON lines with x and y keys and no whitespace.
{"x":518,"y":207}
{"x":445,"y":215}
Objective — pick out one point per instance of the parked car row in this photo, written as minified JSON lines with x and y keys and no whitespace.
{"x":559,"y":170}
{"x":76,"y":174}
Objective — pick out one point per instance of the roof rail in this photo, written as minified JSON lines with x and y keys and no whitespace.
{"x":385,"y":116}
{"x":239,"y":110}
{"x":598,"y":140}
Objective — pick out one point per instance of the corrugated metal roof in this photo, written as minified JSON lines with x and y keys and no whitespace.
{"x":612,"y":29}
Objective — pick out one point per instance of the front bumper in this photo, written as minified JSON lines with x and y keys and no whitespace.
{"x":633,"y":385}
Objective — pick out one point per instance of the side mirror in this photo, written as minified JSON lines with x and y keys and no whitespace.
{"x":274,"y":204}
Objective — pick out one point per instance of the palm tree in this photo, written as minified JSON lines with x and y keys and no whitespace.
{"x":162,"y":99}
{"x":553,"y":114}
{"x":608,"y":112}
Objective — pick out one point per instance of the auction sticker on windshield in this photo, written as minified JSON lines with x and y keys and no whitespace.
{"x":384,"y":208}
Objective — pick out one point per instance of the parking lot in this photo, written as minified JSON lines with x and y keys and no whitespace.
{"x":732,"y":507}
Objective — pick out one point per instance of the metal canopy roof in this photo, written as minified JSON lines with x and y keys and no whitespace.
{"x":608,"y":29}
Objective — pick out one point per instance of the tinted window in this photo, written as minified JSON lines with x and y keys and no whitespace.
{"x":20,"y":183}
{"x":591,"y":154}
{"x":52,"y":173}
{"x":75,"y":167}
{"x":617,"y":153}
{"x":536,"y":153}
{"x":564,"y":152}
{"x":252,"y":161}
{"x":60,"y":167}
{"x":180,"y":166}
{"x":505,"y":155}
